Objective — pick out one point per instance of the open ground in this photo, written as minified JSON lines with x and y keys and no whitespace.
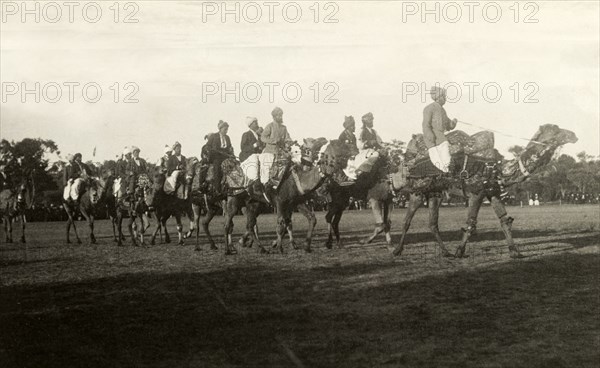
{"x":168,"y":306}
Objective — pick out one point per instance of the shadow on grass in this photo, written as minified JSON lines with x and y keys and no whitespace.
{"x":540,"y":312}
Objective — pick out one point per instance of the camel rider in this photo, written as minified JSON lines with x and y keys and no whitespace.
{"x":176,"y":171}
{"x":161,"y":166}
{"x":161,"y":172}
{"x":204,"y":165}
{"x":276,"y":139}
{"x":251,"y":143}
{"x":435,"y":123}
{"x":220,"y":149}
{"x":251,"y":148}
{"x":137,"y":166}
{"x":75,"y":174}
{"x":123,"y":164}
{"x":368,"y":145}
{"x":344,"y":175}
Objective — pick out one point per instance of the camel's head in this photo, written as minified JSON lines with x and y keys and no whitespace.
{"x":543,"y":145}
{"x":540,"y":150}
{"x":311,"y":147}
{"x":552,"y":135}
{"x":333,"y":156}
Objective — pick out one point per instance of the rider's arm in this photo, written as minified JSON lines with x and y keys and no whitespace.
{"x":267,"y":135}
{"x":438,"y":126}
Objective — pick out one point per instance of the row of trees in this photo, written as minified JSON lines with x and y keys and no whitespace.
{"x":563,"y":179}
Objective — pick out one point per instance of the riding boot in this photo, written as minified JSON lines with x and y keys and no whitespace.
{"x":342,"y":179}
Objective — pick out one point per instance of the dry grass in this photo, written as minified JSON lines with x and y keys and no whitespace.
{"x":103,"y":306}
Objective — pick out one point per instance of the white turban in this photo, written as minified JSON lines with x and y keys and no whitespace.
{"x":126,"y":151}
{"x":167,"y":149}
{"x":250,"y":120}
{"x":134,"y":148}
{"x":437,"y":92}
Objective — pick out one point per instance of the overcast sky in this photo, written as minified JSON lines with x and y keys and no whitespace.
{"x":369,"y":56}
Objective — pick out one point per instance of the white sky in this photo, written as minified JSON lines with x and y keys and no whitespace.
{"x":369,"y":54}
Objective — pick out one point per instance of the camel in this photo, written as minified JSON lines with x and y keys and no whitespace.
{"x":13,"y":203}
{"x":119,"y":204}
{"x":91,"y":191}
{"x":298,"y":186}
{"x":483,"y":179}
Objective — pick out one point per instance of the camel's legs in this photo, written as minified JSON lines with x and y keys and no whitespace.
{"x":251,"y":225}
{"x":132,"y":226}
{"x":113,"y":220}
{"x":120,"y":227}
{"x":164,"y":228}
{"x":23,"y":222}
{"x":387,"y":222}
{"x":506,"y":224}
{"x":69,"y":223}
{"x":378,"y":209}
{"x":195,"y":223}
{"x":210,"y":213}
{"x":312,"y":222}
{"x":475,"y":201}
{"x":283,"y":221}
{"x":434,"y":213}
{"x":415,"y":202}
{"x":179,"y":229}
{"x":334,"y":215}
{"x":231,"y":210}
{"x":8,"y":229}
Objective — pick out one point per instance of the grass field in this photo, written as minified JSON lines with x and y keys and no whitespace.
{"x":168,"y":306}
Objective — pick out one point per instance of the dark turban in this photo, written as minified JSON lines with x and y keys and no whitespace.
{"x":222,"y":124}
{"x":367,"y":115}
{"x":348,"y":121}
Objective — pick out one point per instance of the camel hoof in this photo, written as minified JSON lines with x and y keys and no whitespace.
{"x":308,"y":250}
{"x":447,"y":254}
{"x":135,"y":244}
{"x":397,"y":251}
{"x":262,"y":250}
{"x":328,"y":244}
{"x":459,"y":254}
{"x":152,"y":242}
{"x":293,"y":244}
{"x":181,"y":242}
{"x":68,"y":241}
{"x":115,"y":240}
{"x":167,"y":241}
{"x":339,"y":244}
{"x":213,"y":247}
{"x":22,"y":239}
{"x":515,"y":254}
{"x":197,"y":249}
{"x":188,"y":234}
{"x":78,"y":241}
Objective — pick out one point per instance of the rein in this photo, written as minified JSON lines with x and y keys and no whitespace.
{"x":501,"y":133}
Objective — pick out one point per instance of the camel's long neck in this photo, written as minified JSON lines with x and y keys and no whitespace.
{"x":535,"y":156}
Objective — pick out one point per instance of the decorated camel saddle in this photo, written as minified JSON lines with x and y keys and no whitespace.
{"x":469,"y":153}
{"x":238,"y":177}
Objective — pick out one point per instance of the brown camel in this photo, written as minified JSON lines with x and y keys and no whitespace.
{"x":483,"y":179}
{"x":91,"y":191}
{"x":13,"y":203}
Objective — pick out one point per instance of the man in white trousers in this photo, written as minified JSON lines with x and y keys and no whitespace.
{"x":435,"y":124}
